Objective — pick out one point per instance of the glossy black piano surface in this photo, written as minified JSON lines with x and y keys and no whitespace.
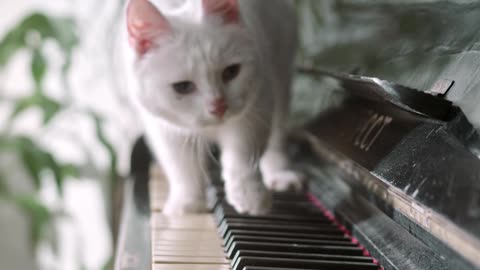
{"x":425,"y":158}
{"x":418,"y":169}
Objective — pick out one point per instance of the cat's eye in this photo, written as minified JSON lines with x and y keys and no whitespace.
{"x":230,"y":72}
{"x":184,"y":87}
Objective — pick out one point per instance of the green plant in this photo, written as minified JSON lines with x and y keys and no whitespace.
{"x":31,"y":34}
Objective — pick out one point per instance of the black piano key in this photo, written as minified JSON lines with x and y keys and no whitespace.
{"x":278,"y":196}
{"x":261,"y":220}
{"x":292,"y":209}
{"x":303,"y":256}
{"x":312,"y":236}
{"x":292,"y":224}
{"x":305,"y":264}
{"x":288,"y":203}
{"x":291,"y":199}
{"x":294,"y":235}
{"x":296,"y":241}
{"x":279,"y":228}
{"x":220,"y":215}
{"x":296,"y":203}
{"x":305,"y":213}
{"x":271,"y":268}
{"x":296,"y":209}
{"x":227,"y":212}
{"x":285,"y":247}
{"x":285,"y":216}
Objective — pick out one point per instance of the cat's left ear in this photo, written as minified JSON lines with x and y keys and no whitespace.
{"x":228,"y":10}
{"x":144,"y":23}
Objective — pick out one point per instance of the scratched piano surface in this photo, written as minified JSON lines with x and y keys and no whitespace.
{"x":386,"y":122}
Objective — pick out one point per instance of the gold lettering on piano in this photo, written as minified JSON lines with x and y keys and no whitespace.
{"x":369,"y":132}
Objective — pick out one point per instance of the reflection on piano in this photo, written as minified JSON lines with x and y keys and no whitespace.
{"x":392,"y":177}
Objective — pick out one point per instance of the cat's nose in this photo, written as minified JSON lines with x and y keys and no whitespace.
{"x":219,"y":107}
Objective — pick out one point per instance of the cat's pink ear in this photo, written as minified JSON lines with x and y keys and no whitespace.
{"x":227,"y":9}
{"x":144,"y":23}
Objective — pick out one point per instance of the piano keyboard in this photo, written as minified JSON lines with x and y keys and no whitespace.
{"x":295,"y":235}
{"x":189,"y":242}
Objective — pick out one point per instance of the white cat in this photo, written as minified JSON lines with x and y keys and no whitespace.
{"x":214,"y":71}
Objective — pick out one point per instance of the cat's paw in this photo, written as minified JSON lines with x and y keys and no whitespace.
{"x":285,"y":180}
{"x":181,"y":207}
{"x":248,"y":196}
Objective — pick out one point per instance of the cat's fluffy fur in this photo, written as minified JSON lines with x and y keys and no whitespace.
{"x":194,"y":40}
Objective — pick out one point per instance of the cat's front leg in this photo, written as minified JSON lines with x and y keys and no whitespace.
{"x":244,"y":188}
{"x":183,"y":161}
{"x":277,"y":171}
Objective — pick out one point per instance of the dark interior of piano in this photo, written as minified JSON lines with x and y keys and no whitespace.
{"x":384,"y":124}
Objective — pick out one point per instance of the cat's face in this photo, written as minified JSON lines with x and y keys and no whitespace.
{"x":196,"y":75}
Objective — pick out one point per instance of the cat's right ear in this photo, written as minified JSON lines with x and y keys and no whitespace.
{"x":144,"y":23}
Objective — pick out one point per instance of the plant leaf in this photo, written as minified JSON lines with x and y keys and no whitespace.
{"x":3,"y":185}
{"x":33,"y":159}
{"x":23,"y":105}
{"x":60,"y":171}
{"x":62,"y":30}
{"x":49,"y":106}
{"x":6,"y":143}
{"x":13,"y":41}
{"x":38,"y":69}
{"x":39,"y":215}
{"x":36,"y":160}
{"x":56,"y":169}
{"x":70,"y":170}
{"x":113,"y":175}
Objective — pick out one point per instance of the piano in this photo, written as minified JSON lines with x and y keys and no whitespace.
{"x":388,"y":139}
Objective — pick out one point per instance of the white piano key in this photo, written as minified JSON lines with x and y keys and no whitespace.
{"x":189,"y":242}
{"x":185,"y":235}
{"x":193,"y":246}
{"x":188,"y":259}
{"x":193,"y":222}
{"x":191,"y":267}
{"x":189,"y":253}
